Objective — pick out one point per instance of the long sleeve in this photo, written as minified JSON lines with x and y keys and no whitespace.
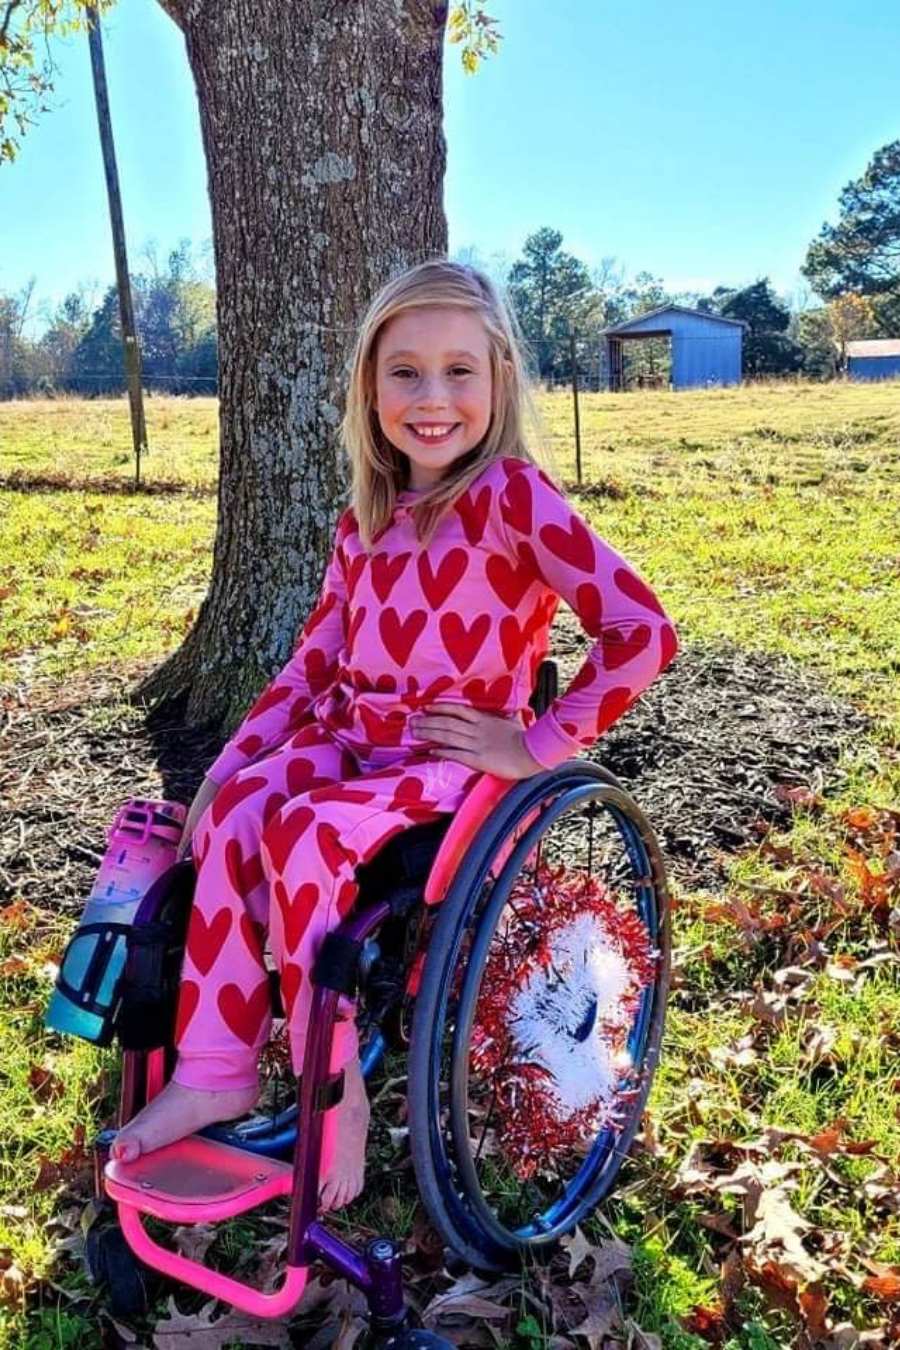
{"x":281,"y":708}
{"x":634,"y":640}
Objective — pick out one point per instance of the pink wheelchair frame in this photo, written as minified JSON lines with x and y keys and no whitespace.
{"x":199,"y":1180}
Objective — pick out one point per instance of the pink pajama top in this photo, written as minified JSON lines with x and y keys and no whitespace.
{"x":465,"y":620}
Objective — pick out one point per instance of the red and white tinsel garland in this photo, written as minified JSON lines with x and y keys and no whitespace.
{"x":558,"y":1000}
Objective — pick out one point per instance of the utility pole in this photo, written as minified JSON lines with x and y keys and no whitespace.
{"x":123,"y":281}
{"x":573,"y":356}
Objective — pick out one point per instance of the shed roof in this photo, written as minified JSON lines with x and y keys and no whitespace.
{"x":626,"y":324}
{"x":874,"y":347}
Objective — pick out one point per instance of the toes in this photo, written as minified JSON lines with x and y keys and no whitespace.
{"x":126,"y":1150}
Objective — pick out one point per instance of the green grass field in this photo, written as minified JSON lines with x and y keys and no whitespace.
{"x":769,"y":516}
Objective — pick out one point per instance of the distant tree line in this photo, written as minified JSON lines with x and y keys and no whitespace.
{"x":562,"y":305}
{"x":80,"y":350}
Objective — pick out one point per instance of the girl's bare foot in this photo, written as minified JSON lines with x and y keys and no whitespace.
{"x":176,"y":1112}
{"x":344,"y":1178}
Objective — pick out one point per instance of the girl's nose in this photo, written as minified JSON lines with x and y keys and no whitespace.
{"x":432,"y":394}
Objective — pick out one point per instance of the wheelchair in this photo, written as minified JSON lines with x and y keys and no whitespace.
{"x":519,"y":951}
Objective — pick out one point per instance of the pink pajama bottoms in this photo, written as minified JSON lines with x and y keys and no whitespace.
{"x":276,"y":852}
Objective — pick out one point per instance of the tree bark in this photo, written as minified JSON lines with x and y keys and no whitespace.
{"x":322,"y":127}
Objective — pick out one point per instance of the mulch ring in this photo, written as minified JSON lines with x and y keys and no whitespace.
{"x":712,"y":749}
{"x":704,"y":752}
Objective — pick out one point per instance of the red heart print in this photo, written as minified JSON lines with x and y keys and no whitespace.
{"x":300,"y":714}
{"x":355,"y":624}
{"x":386,"y":572}
{"x":206,"y":940}
{"x":512,"y":640}
{"x":474,"y":513}
{"x":573,"y":546}
{"x":346,"y":897}
{"x":269,"y":698}
{"x":612,"y":706}
{"x":619,"y":650}
{"x":408,"y":792}
{"x":320,"y":614}
{"x":354,"y":572}
{"x":301,"y":776}
{"x":515,"y":503}
{"x":409,"y":798}
{"x":188,"y":998}
{"x":463,"y":642}
{"x":485,"y":697}
{"x":508,"y":582}
{"x":400,"y":638}
{"x":282,"y":835}
{"x":329,"y":840}
{"x":341,"y":792}
{"x":630,"y":584}
{"x":296,"y":911}
{"x":382,"y":730}
{"x":439,"y":586}
{"x":528,"y":558}
{"x":250,"y":746}
{"x":347,"y":525}
{"x":274,"y":803}
{"x":437,"y":687}
{"x":539,"y":617}
{"x":200,"y":854}
{"x":589,"y":607}
{"x":244,"y":1016}
{"x":244,"y":874}
{"x":585,"y":677}
{"x":668,"y":645}
{"x":252,"y":933}
{"x":291,"y":980}
{"x":235,"y":791}
{"x":320,"y":671}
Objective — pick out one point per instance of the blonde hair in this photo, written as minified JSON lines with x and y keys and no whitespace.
{"x":379,"y":470}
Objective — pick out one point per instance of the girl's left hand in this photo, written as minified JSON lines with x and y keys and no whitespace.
{"x":482,"y":740}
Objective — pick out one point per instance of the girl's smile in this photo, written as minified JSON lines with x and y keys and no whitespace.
{"x":433,"y":388}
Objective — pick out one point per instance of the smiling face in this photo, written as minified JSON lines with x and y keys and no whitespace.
{"x":433,"y":388}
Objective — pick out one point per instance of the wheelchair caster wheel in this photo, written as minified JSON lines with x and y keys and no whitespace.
{"x":410,"y":1338}
{"x":114,"y":1267}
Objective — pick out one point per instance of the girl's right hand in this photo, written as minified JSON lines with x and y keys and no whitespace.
{"x":206,"y":793}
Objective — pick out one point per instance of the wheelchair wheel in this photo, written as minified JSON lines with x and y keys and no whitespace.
{"x":539,"y":1016}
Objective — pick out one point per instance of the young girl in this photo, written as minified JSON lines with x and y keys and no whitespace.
{"x":411,"y":678}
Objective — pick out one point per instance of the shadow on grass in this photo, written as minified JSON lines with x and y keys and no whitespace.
{"x":20,"y":481}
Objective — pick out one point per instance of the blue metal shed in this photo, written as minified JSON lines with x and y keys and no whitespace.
{"x":873,"y":359}
{"x":706,"y":348}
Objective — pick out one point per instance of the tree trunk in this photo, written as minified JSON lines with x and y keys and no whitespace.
{"x":322,"y":130}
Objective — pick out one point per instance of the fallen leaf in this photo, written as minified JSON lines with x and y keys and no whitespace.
{"x":198,"y":1331}
{"x":194,"y":1240}
{"x":469,"y":1296}
{"x":797,"y":796}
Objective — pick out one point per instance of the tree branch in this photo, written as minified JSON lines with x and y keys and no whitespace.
{"x":4,"y":28}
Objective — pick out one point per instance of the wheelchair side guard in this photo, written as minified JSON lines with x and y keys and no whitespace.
{"x":480,"y":802}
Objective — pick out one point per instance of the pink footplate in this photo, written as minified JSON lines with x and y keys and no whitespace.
{"x":197,"y":1180}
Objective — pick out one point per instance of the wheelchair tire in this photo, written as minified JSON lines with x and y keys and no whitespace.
{"x":471,"y":1199}
{"x":114,"y":1267}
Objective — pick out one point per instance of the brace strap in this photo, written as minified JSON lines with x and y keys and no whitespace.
{"x":337,"y":965}
{"x":329,"y":1093}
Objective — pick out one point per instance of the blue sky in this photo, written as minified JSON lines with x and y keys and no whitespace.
{"x":705,"y":141}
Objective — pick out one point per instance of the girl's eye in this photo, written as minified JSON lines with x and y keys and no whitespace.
{"x":403,"y":373}
{"x":460,"y":370}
